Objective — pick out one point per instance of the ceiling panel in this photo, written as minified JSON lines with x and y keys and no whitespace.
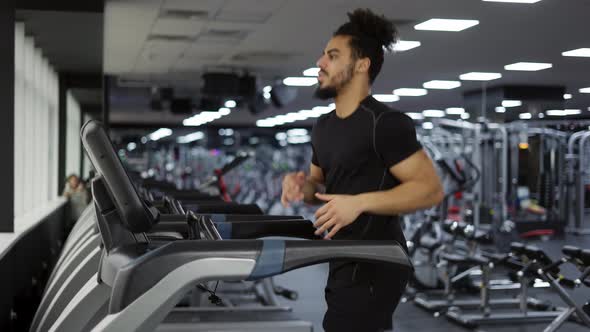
{"x":177,"y":27}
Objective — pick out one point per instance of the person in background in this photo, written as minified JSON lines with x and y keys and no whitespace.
{"x":76,"y":192}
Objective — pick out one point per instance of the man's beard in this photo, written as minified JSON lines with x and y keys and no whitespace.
{"x":342,"y":79}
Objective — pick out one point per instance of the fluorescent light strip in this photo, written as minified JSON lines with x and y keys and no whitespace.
{"x":297,"y":132}
{"x":480,"y":76}
{"x":405,"y":45}
{"x":386,"y":98}
{"x":433,"y":113}
{"x":267,"y":89}
{"x":427,"y":125}
{"x":528,"y":66}
{"x":311,"y":72}
{"x":190,"y":137}
{"x":455,"y":110}
{"x":415,"y":116}
{"x":442,"y":85}
{"x":585,"y":90}
{"x":230,"y":103}
{"x":407,"y":92}
{"x":500,"y":109}
{"x":511,"y":103}
{"x":300,"y":81}
{"x":525,"y":116}
{"x":439,"y":24}
{"x":465,"y":116}
{"x":567,"y":96}
{"x":160,"y":133}
{"x":580,"y":52}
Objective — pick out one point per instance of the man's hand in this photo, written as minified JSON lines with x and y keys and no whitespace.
{"x":338,"y":212}
{"x":293,"y":188}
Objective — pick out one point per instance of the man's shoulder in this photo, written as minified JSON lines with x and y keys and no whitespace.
{"x":382,"y":112}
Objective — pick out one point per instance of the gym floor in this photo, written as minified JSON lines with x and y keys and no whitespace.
{"x":310,"y":306}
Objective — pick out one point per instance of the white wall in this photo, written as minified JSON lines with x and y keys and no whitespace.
{"x":36,"y":109}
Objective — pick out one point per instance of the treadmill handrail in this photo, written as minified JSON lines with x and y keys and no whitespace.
{"x":272,"y":257}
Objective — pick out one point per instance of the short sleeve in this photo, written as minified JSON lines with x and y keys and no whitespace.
{"x":395,"y":138}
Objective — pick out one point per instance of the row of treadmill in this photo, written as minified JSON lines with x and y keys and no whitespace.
{"x":158,"y":259}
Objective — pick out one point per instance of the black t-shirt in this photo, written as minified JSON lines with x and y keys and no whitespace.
{"x":355,"y":155}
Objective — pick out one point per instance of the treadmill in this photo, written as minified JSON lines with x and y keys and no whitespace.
{"x":140,"y":281}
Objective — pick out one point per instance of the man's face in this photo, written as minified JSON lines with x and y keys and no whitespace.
{"x":336,"y":68}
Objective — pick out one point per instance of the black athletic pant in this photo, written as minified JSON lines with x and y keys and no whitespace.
{"x":362,"y":297}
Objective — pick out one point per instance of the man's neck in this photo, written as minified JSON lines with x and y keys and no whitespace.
{"x":349,"y":100}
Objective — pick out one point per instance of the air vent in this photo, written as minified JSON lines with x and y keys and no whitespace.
{"x":262,"y":56}
{"x":170,"y":38}
{"x":243,"y":16}
{"x":180,"y":14}
{"x":132,"y":82}
{"x":222,"y":33}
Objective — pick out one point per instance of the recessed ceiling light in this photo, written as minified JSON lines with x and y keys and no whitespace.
{"x":433,"y":113}
{"x":230,"y":103}
{"x":500,"y":109}
{"x":585,"y":90}
{"x":511,"y":103}
{"x":300,"y":81}
{"x":528,"y":66}
{"x":525,"y":116}
{"x":541,"y":115}
{"x":405,"y":45}
{"x":267,"y":89}
{"x":514,"y":1}
{"x":442,"y":85}
{"x":386,"y":98}
{"x":311,"y":71}
{"x":480,"y":76}
{"x":455,"y":110}
{"x":580,"y":52}
{"x":439,"y":24}
{"x":465,"y":116}
{"x":407,"y":92}
{"x":415,"y":116}
{"x":567,"y":96}
{"x":427,"y":125}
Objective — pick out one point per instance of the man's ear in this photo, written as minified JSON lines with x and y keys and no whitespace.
{"x":362,"y":65}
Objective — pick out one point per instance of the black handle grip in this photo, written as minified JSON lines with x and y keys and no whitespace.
{"x":303,"y":253}
{"x":571,"y":251}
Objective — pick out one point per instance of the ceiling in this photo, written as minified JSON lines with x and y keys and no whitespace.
{"x":75,"y":47}
{"x":278,"y":38}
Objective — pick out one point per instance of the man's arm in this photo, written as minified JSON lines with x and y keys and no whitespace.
{"x":313,"y":184}
{"x":420,"y":188}
{"x":297,"y":187}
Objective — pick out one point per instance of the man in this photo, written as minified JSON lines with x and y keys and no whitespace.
{"x":373,"y":169}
